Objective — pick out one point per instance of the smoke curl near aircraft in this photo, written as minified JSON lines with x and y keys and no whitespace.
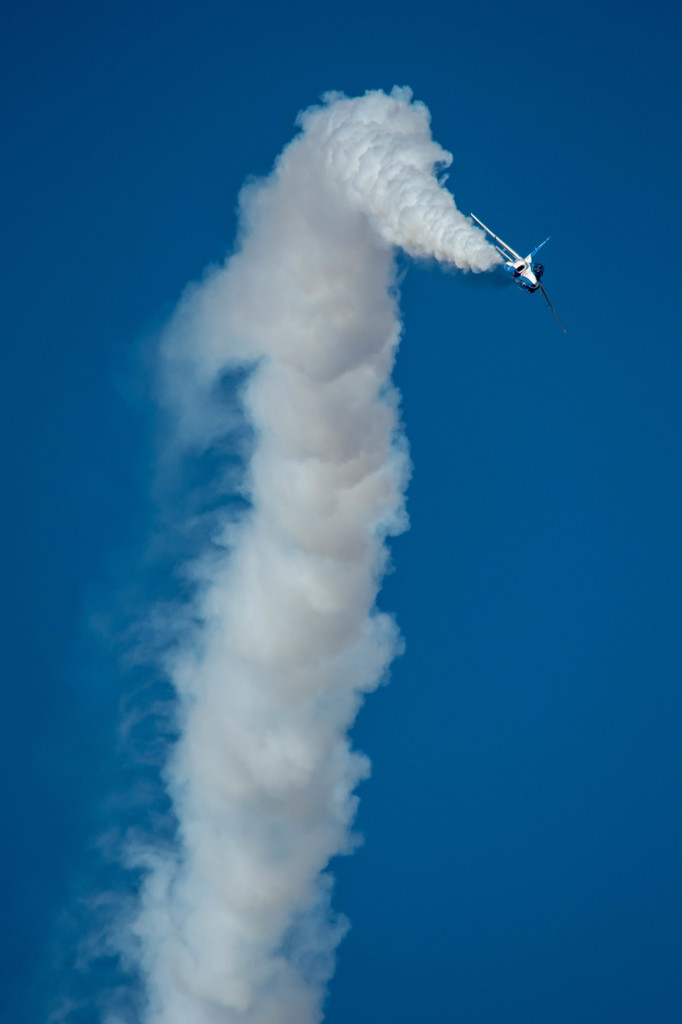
{"x":235,"y":925}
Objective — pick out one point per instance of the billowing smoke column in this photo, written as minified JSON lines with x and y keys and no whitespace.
{"x":237,"y":925}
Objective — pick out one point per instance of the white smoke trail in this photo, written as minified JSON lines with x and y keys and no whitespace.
{"x":237,"y":927}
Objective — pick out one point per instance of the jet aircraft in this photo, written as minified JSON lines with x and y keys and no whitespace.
{"x":525,"y":272}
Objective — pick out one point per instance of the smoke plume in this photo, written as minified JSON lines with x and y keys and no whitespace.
{"x":235,"y":926}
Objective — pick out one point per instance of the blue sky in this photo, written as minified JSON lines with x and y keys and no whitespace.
{"x":522,"y":822}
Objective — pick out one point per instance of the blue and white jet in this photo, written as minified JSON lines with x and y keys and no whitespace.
{"x":525,"y":272}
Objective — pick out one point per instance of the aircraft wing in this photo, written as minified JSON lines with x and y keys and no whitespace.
{"x":502,"y":247}
{"x":553,"y":309}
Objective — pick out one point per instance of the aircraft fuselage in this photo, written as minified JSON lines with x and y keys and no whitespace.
{"x":525,"y":273}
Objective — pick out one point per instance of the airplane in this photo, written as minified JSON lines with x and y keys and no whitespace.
{"x":525,"y":272}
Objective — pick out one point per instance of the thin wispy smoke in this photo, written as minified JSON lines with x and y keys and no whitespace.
{"x":236,"y":924}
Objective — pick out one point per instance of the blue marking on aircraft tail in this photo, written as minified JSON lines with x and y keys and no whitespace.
{"x":540,"y":247}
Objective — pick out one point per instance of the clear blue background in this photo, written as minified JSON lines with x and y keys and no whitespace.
{"x":522,"y":857}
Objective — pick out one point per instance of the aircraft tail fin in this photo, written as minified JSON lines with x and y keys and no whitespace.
{"x":540,"y":246}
